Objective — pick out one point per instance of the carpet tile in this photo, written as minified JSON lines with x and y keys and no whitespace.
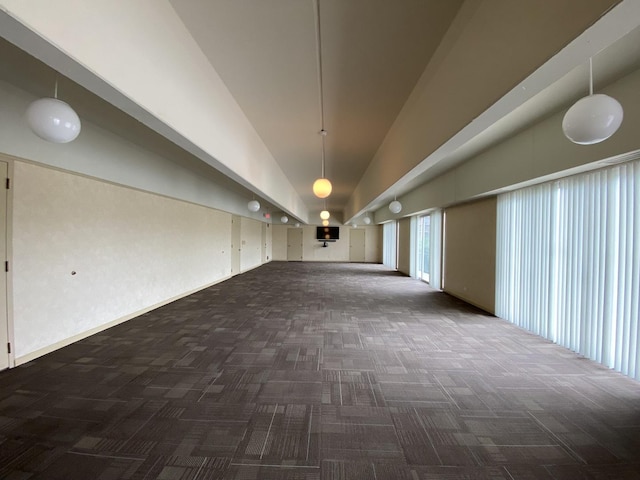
{"x":317,"y":371}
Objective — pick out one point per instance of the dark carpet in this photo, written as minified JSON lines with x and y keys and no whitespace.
{"x":313,"y":371}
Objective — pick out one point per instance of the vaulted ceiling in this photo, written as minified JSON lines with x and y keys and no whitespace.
{"x":401,"y":79}
{"x":372,"y":55}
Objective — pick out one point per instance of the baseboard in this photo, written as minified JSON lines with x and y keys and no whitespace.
{"x":80,"y":336}
{"x":253,"y":267}
{"x":486,"y":308}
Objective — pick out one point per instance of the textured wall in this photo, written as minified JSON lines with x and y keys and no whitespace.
{"x":130,"y":250}
{"x":470,"y":253}
{"x":404,"y":246}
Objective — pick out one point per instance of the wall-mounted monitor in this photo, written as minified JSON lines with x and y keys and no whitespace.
{"x":327,"y":234}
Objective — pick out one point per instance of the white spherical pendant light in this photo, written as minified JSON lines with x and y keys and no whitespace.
{"x":324,"y":215}
{"x":395,"y":206}
{"x":284,"y":219}
{"x":253,"y":206}
{"x":322,"y":188}
{"x":325,"y":223}
{"x":366,"y":220}
{"x":53,"y":120}
{"x":592,"y":119}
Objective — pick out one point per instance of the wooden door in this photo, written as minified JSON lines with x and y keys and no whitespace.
{"x":294,"y":244}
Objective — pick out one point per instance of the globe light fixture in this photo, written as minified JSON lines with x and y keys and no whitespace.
{"x":395,"y":206}
{"x":322,"y":187}
{"x":297,"y":225}
{"x":366,"y":220}
{"x":284,"y":219}
{"x":325,"y":223}
{"x":324,"y":215}
{"x":594,"y":118}
{"x":53,"y":120}
{"x":253,"y":206}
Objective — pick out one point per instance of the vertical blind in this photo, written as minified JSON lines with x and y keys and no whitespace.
{"x":568,"y":263}
{"x":389,"y":244}
{"x":435,"y":249}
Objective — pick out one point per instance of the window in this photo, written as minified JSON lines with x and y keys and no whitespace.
{"x":390,"y":244}
{"x":568,"y":265}
{"x":424,"y":232}
{"x":429,"y":248}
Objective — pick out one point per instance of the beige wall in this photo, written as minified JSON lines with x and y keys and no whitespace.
{"x":87,"y":253}
{"x":404,"y":245}
{"x":470,"y":252}
{"x":373,"y":244}
{"x":313,"y":251}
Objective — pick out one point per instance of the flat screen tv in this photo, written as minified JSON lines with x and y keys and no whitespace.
{"x":327,"y":234}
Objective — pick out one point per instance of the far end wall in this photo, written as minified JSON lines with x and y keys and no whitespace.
{"x":338,"y":251}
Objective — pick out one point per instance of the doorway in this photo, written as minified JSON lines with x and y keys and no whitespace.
{"x":424,"y":248}
{"x":263,"y":244}
{"x":235,"y":245}
{"x":294,"y":244}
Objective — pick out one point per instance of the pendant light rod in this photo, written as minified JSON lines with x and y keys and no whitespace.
{"x":55,"y":89}
{"x":323,"y":132}
{"x":322,"y":186}
{"x":319,"y":59}
{"x":590,"y":75}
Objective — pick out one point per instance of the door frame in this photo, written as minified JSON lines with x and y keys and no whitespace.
{"x":9,"y":258}
{"x":236,"y":245}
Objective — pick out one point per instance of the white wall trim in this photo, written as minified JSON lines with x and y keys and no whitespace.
{"x":9,"y":233}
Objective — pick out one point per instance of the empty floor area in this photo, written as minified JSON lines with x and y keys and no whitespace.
{"x":317,"y":371}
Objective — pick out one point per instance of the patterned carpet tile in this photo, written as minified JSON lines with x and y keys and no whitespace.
{"x":299,"y":371}
{"x":281,"y":434}
{"x":260,"y":472}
